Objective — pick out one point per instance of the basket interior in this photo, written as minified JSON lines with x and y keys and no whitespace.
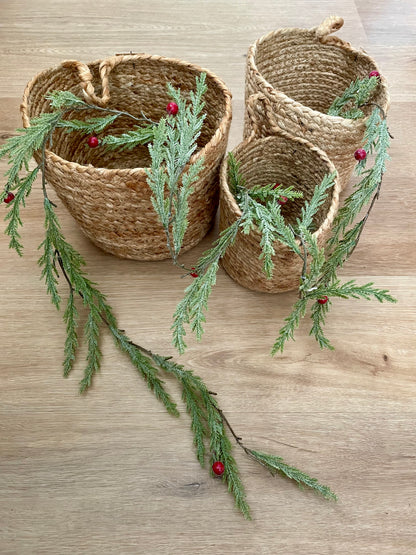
{"x":136,"y":86}
{"x":280,"y":160}
{"x":296,"y":63}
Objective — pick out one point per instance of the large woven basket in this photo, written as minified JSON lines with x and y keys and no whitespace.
{"x":106,"y":192}
{"x":301,"y":72}
{"x":288,"y":161}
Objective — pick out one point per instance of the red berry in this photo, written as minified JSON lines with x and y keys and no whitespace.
{"x":172,"y":108}
{"x":9,"y":198}
{"x":218,"y":468}
{"x":282,"y":200}
{"x":276,"y":186}
{"x":93,"y":142}
{"x":360,"y":154}
{"x":193,"y":274}
{"x":374,"y":74}
{"x":324,"y":300}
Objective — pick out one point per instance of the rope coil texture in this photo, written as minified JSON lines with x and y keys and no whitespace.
{"x":106,"y":191}
{"x":301,"y":72}
{"x":289,"y":161}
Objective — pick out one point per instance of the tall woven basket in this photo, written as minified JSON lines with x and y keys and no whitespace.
{"x":106,"y":192}
{"x":289,"y":161}
{"x":301,"y":72}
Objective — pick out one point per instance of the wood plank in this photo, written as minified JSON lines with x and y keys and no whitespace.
{"x":110,"y":471}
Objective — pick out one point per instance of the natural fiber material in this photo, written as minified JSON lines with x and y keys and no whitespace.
{"x":288,"y":161}
{"x":301,"y":72}
{"x":106,"y":191}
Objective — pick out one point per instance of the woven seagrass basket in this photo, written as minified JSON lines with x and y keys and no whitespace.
{"x":106,"y":192}
{"x":289,"y":161}
{"x":301,"y":72}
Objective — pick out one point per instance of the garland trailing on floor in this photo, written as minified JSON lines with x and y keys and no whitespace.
{"x":173,"y":140}
{"x":261,"y":207}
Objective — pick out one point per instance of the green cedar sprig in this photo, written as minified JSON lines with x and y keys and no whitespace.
{"x":140,"y":135}
{"x":207,"y":420}
{"x":321,"y":281}
{"x":175,"y":141}
{"x":349,"y":103}
{"x":20,"y":149}
{"x":58,"y":258}
{"x":260,"y":209}
{"x":178,"y":143}
{"x":276,"y":465}
{"x":266,"y":217}
{"x":378,"y":142}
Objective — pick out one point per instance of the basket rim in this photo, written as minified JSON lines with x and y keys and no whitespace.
{"x":216,"y":138}
{"x":275,"y":95}
{"x":336,"y":189}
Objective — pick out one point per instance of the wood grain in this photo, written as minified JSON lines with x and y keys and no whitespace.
{"x":110,"y":472}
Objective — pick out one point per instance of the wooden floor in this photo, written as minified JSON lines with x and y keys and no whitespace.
{"x":110,"y":472}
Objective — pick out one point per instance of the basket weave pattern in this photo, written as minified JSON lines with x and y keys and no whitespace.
{"x":301,"y":72}
{"x":106,"y":191}
{"x":288,"y":161}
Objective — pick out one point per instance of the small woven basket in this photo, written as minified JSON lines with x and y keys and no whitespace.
{"x":106,"y":191}
{"x":301,"y":72}
{"x":288,"y":161}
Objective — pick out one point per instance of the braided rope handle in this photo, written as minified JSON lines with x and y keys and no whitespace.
{"x":329,"y":25}
{"x":85,"y":75}
{"x":255,"y":118}
{"x":273,"y":128}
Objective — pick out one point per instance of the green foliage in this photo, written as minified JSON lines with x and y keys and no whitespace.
{"x":207,"y":422}
{"x":57,"y":249}
{"x":71,"y":341}
{"x":191,"y":309}
{"x":129,"y":139}
{"x":174,"y":143}
{"x":271,"y":224}
{"x":13,"y":216}
{"x":320,"y":194}
{"x":318,"y":313}
{"x":260,"y":209}
{"x":292,"y":323}
{"x":376,"y":132}
{"x":265,"y":193}
{"x":276,"y":465}
{"x":142,"y":362}
{"x":348,"y":104}
{"x":20,"y":148}
{"x":59,"y":258}
{"x":88,"y":126}
{"x":65,"y":100}
{"x":351,"y":289}
{"x":321,"y":279}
